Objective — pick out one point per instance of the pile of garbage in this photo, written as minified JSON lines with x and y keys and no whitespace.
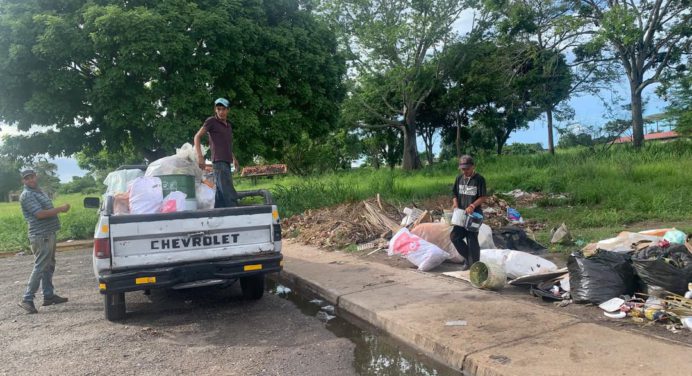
{"x":644,"y":276}
{"x":170,"y":184}
{"x":342,"y":225}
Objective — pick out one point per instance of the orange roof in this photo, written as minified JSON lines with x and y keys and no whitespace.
{"x":651,"y":136}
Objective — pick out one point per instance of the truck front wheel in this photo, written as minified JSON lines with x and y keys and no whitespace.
{"x":114,"y":305}
{"x":252,"y":286}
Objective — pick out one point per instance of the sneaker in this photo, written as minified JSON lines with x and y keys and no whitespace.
{"x":55,"y":299}
{"x":28,"y":306}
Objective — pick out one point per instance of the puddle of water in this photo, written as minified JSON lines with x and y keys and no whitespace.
{"x":374,"y":354}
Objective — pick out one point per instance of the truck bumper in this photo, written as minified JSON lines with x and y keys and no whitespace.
{"x":169,"y":276}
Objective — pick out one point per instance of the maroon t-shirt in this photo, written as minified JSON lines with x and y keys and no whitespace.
{"x":220,"y":139}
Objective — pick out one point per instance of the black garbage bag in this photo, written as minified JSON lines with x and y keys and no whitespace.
{"x":603,"y":276}
{"x":511,"y":237}
{"x":668,"y":268}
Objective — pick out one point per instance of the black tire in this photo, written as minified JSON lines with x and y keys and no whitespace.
{"x":114,"y":305}
{"x":252,"y":286}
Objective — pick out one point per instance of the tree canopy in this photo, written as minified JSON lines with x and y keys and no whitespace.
{"x":117,"y":80}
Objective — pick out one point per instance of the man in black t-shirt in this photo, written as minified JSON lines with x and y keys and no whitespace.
{"x":469,"y":195}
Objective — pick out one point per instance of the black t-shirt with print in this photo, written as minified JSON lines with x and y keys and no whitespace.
{"x":467,"y":190}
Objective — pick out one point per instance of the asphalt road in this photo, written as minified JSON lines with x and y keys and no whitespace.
{"x":209,"y":331}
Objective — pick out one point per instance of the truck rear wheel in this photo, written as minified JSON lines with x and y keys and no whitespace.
{"x":252,"y":286}
{"x":114,"y":305}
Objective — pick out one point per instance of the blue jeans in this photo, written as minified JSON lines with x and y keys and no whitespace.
{"x":226,"y":196}
{"x":43,"y":248}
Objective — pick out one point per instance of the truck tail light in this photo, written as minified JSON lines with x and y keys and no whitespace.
{"x":102,"y":248}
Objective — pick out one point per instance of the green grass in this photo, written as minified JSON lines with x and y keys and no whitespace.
{"x":78,"y":223}
{"x":607,"y":192}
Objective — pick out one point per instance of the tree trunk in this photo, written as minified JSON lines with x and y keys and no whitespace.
{"x":637,"y":118}
{"x":411,"y":158}
{"x":551,"y":147}
{"x":458,"y":140}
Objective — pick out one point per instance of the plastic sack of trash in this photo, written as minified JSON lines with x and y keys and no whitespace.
{"x":668,"y":268}
{"x":146,"y":195}
{"x":121,"y":203}
{"x":425,"y":255}
{"x":184,"y":162}
{"x":205,"y":195}
{"x":173,"y":202}
{"x":675,"y":236}
{"x":601,"y":277}
{"x":117,"y":181}
{"x":485,"y":237}
{"x":516,"y":263}
{"x":439,"y":234}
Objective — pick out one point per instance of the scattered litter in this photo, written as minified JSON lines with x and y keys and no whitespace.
{"x":456,"y":323}
{"x":513,"y":216}
{"x":675,"y":236}
{"x":378,"y":249}
{"x":282,"y":290}
{"x":328,"y":308}
{"x":560,"y":235}
{"x":612,"y":305}
{"x":486,"y":275}
{"x":600,"y":277}
{"x":687,"y":322}
{"x":317,"y":301}
{"x":615,"y":315}
{"x":366,"y":246}
{"x":324,"y":316}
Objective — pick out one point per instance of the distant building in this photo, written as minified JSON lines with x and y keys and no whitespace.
{"x":658,"y":136}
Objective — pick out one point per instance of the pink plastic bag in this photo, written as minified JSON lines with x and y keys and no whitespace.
{"x":424,"y":255}
{"x":169,"y":206}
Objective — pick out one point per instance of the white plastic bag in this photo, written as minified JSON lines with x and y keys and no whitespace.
{"x":117,"y":181}
{"x":419,"y":252}
{"x":205,"y":196}
{"x":517,"y":263}
{"x":485,"y":237}
{"x":146,"y":195}
{"x":175,"y":201}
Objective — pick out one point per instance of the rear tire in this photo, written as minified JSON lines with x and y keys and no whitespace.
{"x":114,"y":305}
{"x":252,"y":286}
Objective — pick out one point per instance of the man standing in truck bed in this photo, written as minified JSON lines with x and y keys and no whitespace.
{"x":220,"y":134}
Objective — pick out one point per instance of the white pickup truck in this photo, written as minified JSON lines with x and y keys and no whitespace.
{"x":185,"y":249}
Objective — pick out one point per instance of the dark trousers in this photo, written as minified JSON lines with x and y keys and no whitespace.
{"x":226,"y":196}
{"x":469,"y":249}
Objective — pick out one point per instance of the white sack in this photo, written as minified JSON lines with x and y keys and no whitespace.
{"x":205,"y":196}
{"x":146,"y":195}
{"x":517,"y":263}
{"x":179,"y":199}
{"x":419,"y":252}
{"x":117,"y":181}
{"x":485,"y":237}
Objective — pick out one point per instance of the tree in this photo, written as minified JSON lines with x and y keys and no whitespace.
{"x":647,"y":37}
{"x":498,"y":85}
{"x":9,"y":177}
{"x":133,"y":80}
{"x":555,"y":29}
{"x":392,"y":42}
{"x":679,"y":89}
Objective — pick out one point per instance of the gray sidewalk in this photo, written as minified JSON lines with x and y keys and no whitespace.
{"x":502,"y":336}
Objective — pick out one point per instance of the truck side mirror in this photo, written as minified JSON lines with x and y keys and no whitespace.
{"x":92,"y":202}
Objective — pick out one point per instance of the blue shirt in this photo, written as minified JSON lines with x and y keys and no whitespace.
{"x":33,"y":201}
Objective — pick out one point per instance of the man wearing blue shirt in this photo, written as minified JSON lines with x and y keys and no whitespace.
{"x":43,"y":222}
